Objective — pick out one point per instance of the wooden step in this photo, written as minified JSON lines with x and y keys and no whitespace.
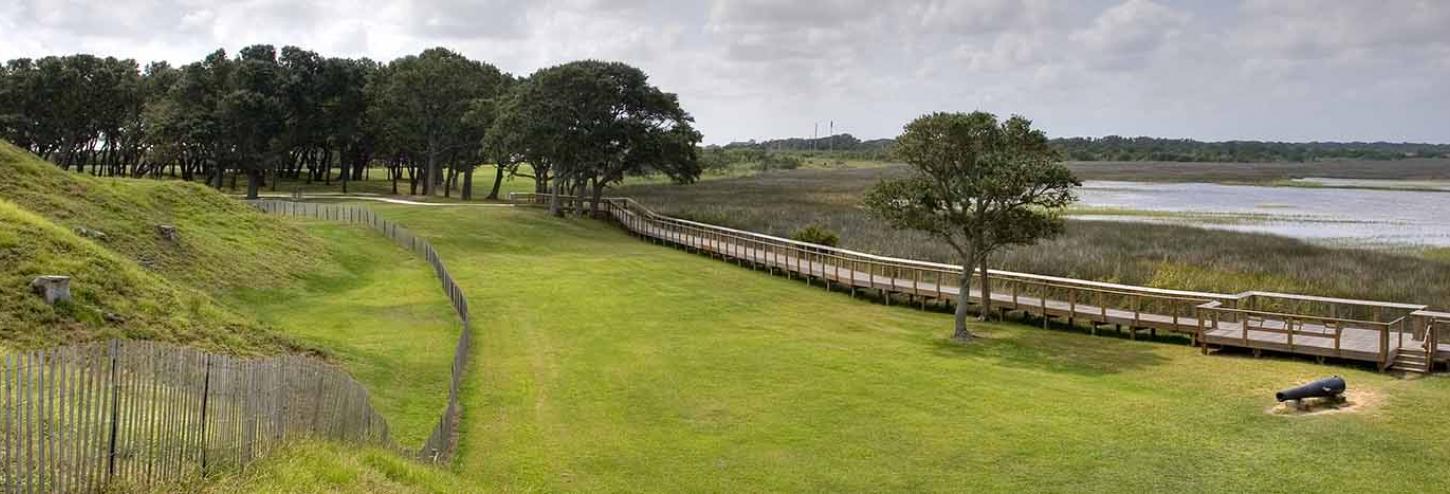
{"x":1410,"y":364}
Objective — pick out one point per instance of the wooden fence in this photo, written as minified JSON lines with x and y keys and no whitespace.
{"x":1385,"y":333}
{"x":112,"y":415}
{"x":440,"y":444}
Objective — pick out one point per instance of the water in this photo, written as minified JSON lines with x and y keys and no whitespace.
{"x":1331,"y":215}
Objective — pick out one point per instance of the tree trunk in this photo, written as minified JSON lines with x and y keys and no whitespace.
{"x":450,"y":182}
{"x":964,"y":298}
{"x":986,"y":290}
{"x":467,"y":194}
{"x":597,"y":193}
{"x":554,"y":201}
{"x":497,"y":181}
{"x":432,"y":173}
{"x":254,"y":182}
{"x":395,"y":172}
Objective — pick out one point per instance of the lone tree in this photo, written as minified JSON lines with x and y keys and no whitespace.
{"x":979,"y":185}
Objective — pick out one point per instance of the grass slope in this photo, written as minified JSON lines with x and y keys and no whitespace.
{"x":380,"y":313}
{"x":237,"y":282}
{"x":223,"y":243}
{"x":112,"y":296}
{"x":609,"y":364}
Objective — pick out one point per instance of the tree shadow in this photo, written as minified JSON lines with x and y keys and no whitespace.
{"x":1056,"y":351}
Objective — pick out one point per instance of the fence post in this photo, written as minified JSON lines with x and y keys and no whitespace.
{"x":115,"y":411}
{"x":205,"y":393}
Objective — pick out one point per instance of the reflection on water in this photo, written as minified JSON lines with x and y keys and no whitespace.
{"x":1323,"y":214}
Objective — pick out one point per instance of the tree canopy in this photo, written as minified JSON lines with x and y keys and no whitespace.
{"x":590,"y":124}
{"x":979,"y":185}
{"x":259,"y":113}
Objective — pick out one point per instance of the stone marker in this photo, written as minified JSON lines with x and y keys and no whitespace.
{"x":167,"y":232}
{"x":52,"y":288}
{"x":91,"y":234}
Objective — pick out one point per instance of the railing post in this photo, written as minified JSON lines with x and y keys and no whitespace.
{"x":1384,"y":346}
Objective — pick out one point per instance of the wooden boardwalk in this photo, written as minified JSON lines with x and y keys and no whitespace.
{"x":1388,"y":334}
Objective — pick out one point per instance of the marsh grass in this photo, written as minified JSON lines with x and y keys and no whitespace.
{"x":1166,"y":256}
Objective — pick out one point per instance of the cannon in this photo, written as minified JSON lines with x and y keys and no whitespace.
{"x":1329,"y":387}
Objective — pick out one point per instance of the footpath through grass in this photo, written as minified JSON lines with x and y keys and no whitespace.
{"x":608,"y":364}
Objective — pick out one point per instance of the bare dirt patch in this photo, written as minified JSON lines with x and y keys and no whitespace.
{"x":1355,"y":401}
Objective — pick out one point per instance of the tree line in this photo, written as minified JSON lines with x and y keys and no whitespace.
{"x":264,"y":114}
{"x":1118,"y":148}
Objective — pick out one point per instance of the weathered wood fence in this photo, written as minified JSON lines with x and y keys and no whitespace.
{"x":135,"y":414}
{"x":441,"y":442}
{"x":119,"y":414}
{"x":1392,"y":335}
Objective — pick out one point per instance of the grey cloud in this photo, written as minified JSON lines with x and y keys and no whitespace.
{"x":1265,"y":69}
{"x":450,"y":19}
{"x":1122,"y":36}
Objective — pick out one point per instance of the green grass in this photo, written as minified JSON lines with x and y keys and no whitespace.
{"x":609,"y":364}
{"x":380,"y":315}
{"x":1440,"y":254}
{"x":238,"y":282}
{"x":327,"y":467}
{"x":378,"y":312}
{"x":113,"y":297}
{"x":377,"y":182}
{"x":223,"y":243}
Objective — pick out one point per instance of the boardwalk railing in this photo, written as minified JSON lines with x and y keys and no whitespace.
{"x":1320,"y":326}
{"x":111,"y":415}
{"x":441,"y":442}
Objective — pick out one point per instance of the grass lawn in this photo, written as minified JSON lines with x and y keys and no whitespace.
{"x":380,"y":314}
{"x":377,"y":183}
{"x":608,"y":364}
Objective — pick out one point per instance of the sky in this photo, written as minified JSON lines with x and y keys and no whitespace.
{"x":1288,"y":70}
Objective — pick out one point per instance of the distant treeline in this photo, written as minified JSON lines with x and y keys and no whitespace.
{"x":1118,"y":148}
{"x":842,"y":145}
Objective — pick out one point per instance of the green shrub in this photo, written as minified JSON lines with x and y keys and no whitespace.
{"x":817,"y":234}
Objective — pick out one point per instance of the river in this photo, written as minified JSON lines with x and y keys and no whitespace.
{"x":1365,"y":217}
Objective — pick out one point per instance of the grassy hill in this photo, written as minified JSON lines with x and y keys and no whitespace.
{"x":113,"y":296}
{"x":236,"y":281}
{"x":128,"y":280}
{"x":222,"y":243}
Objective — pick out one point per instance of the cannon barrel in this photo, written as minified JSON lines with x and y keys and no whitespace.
{"x":1323,"y":388}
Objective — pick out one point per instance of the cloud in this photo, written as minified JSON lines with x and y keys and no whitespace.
{"x":463,"y":19}
{"x":1268,"y":69}
{"x":1127,"y":34}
